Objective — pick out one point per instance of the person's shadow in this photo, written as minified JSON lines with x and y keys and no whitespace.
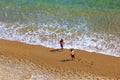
{"x":66,"y":60}
{"x":55,"y":50}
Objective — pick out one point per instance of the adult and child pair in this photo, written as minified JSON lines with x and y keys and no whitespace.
{"x":71,"y":50}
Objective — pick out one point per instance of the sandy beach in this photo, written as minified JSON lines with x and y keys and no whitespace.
{"x":55,"y":63}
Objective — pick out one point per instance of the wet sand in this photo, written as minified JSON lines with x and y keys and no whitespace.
{"x":58,"y":64}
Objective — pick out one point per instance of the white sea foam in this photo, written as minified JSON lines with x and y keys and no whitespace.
{"x":49,"y":35}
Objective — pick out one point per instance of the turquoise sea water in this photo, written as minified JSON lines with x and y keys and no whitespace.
{"x":91,"y":25}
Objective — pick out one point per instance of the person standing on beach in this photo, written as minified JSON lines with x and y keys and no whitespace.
{"x":61,"y":43}
{"x":72,"y":54}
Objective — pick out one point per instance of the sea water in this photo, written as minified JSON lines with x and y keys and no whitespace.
{"x":91,"y":25}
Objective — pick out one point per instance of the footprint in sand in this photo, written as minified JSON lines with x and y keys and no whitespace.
{"x":87,"y":63}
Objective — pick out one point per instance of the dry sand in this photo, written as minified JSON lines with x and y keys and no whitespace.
{"x":54,"y":63}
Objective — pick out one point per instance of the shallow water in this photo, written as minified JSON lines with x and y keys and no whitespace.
{"x":89,"y":25}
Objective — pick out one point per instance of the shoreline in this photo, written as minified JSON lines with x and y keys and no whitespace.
{"x":88,"y":62}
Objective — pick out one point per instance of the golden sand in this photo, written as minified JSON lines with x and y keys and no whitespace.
{"x":87,"y":65}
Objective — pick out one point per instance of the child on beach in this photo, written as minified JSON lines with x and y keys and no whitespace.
{"x":72,"y":54}
{"x":61,"y":43}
